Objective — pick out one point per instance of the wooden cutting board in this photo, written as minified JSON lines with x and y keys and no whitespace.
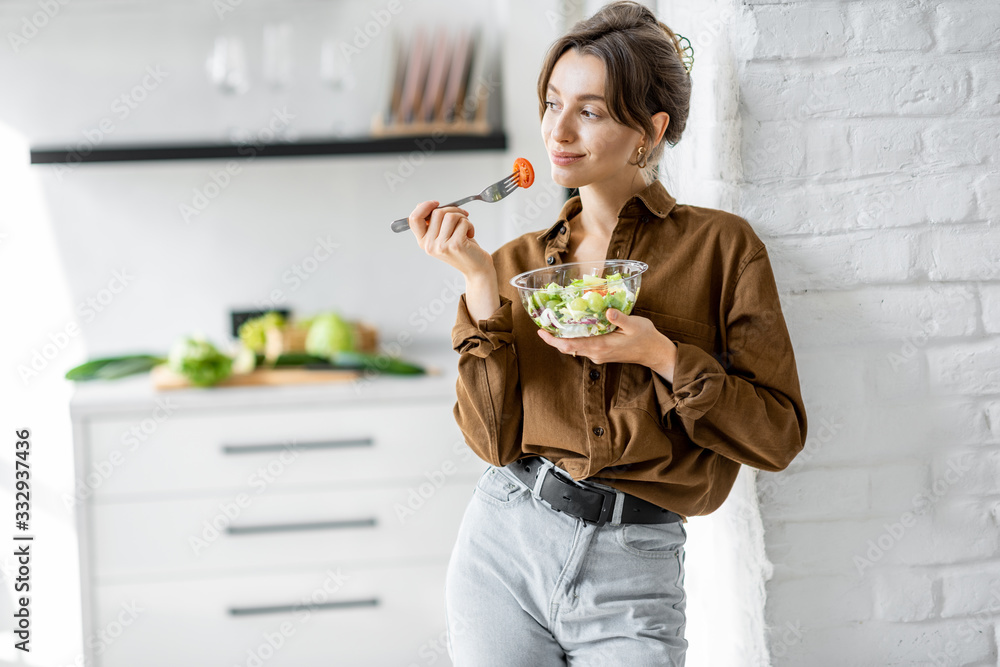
{"x":164,"y":378}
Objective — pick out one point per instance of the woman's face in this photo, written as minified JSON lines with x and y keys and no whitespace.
{"x":585,"y":145}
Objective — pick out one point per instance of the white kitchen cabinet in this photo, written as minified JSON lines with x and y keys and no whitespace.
{"x":390,"y":616}
{"x":297,"y":529}
{"x":306,"y":525}
{"x":196,"y":451}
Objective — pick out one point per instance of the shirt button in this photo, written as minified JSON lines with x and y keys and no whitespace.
{"x":594,"y":375}
{"x":598,"y":431}
{"x":550,"y":260}
{"x":644,"y":218}
{"x":562,"y":229}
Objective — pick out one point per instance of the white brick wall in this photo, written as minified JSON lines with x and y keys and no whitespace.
{"x":871,"y":167}
{"x":989,"y":296}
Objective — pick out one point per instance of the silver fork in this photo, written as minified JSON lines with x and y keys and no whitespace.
{"x":493,"y":193}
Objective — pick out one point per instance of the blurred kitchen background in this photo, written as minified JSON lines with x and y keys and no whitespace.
{"x":122,"y":231}
{"x":311,"y":524}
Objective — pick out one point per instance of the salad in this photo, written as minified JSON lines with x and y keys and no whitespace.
{"x":579,"y":309}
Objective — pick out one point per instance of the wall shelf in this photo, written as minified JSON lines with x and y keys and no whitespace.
{"x":359,"y":146}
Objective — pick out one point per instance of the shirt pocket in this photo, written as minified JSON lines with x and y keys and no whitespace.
{"x":635,"y":383}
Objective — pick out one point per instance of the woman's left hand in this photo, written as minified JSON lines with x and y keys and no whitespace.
{"x":635,"y":341}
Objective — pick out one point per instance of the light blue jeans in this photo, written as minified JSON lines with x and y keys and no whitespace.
{"x":527,"y":586}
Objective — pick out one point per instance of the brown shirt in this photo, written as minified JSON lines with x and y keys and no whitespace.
{"x":735,"y":397}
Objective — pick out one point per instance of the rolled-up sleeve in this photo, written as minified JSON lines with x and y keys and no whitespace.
{"x":488,"y":409}
{"x":749,"y":410}
{"x":483,"y":337}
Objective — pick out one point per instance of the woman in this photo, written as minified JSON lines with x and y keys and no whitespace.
{"x":571,"y":549}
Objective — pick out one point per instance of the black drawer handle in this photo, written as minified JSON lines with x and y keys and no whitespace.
{"x":277,"y":447}
{"x":315,"y":525}
{"x":287,"y":608}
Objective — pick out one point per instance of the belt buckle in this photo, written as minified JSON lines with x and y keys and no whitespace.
{"x":607,"y":505}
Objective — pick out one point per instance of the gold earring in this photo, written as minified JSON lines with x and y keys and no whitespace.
{"x":641,"y":158}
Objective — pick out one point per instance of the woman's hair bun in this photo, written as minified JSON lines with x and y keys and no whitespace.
{"x":648,"y":68}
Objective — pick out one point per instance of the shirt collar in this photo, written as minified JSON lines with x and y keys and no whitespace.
{"x":654,"y":199}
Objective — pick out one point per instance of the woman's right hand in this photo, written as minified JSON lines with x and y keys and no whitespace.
{"x":447,"y":234}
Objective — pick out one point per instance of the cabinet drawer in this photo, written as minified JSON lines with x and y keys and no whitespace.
{"x":284,"y":448}
{"x":365,"y":617}
{"x":274,"y":529}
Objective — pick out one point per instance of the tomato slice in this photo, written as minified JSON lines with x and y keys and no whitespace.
{"x":524,"y":171}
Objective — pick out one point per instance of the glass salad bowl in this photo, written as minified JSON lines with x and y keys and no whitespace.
{"x":570,"y":300}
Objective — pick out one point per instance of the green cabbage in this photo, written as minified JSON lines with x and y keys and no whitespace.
{"x":329,"y":334}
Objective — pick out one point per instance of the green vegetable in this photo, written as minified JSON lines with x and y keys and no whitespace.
{"x":110,"y":368}
{"x":253,"y":332}
{"x":298,"y":359}
{"x":618,"y":300}
{"x":351,"y":360}
{"x":579,"y":309}
{"x":376,"y":362}
{"x":328,"y":335}
{"x":199,"y":361}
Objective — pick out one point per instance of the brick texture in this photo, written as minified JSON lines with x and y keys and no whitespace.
{"x":869,"y":144}
{"x":989,"y":296}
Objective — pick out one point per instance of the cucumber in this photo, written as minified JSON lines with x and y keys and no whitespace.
{"x":111,"y":368}
{"x":298,"y":359}
{"x":376,"y":362}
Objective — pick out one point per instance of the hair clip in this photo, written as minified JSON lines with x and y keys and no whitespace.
{"x":686,"y":52}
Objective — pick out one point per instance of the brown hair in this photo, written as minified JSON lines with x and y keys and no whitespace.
{"x":645,"y":72}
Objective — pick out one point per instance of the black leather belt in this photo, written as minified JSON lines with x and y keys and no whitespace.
{"x":591,"y":503}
